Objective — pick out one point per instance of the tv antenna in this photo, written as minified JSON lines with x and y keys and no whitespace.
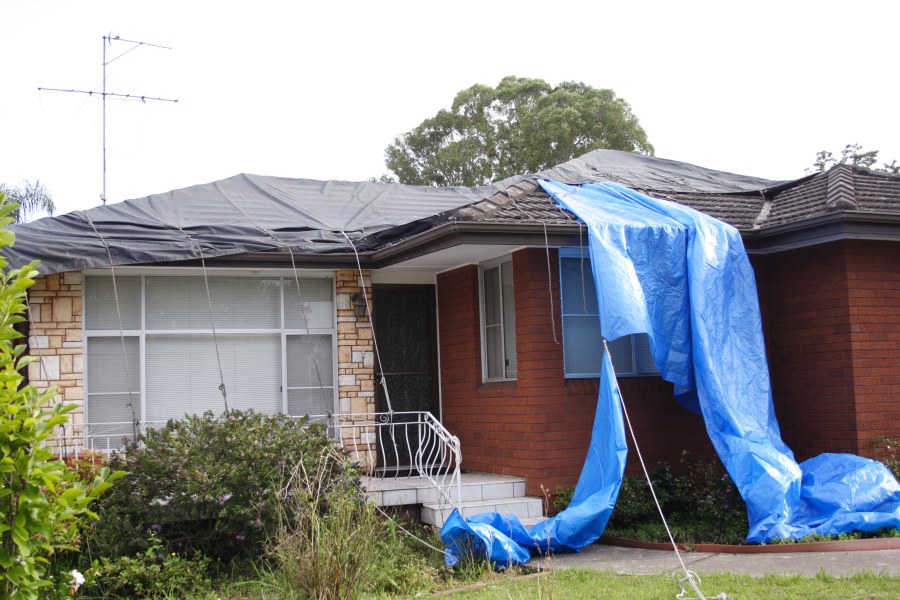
{"x":107,"y":42}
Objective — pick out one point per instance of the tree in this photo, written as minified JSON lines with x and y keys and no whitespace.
{"x":855,"y":156}
{"x":32,"y":198}
{"x":521,"y":126}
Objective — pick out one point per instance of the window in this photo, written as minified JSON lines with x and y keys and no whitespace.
{"x":631,"y":355}
{"x":276,"y":346}
{"x":498,"y":327}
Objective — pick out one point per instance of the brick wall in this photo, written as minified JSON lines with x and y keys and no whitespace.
{"x":56,"y":338}
{"x":356,"y":365}
{"x":539,"y":425}
{"x":831,"y":315}
{"x":873,"y":289}
{"x":806,"y":315}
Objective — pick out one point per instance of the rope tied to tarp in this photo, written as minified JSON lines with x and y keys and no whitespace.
{"x":690,"y":578}
{"x":135,"y":422}
{"x":365,"y":295}
{"x":212,"y":318}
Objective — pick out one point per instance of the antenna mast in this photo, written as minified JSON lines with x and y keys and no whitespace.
{"x":107,"y":41}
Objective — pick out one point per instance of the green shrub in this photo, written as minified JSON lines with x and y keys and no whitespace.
{"x":702,"y":505}
{"x":562,"y":498}
{"x":211,"y":484}
{"x":887,"y":451}
{"x":154,"y":573}
{"x":42,"y":501}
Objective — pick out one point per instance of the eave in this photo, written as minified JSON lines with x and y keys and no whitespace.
{"x":822,"y":229}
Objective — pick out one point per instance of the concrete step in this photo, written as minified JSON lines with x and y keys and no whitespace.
{"x":399,"y":491}
{"x":532,"y":521}
{"x":524,"y":507}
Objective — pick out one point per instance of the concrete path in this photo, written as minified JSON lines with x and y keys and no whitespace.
{"x":642,"y":562}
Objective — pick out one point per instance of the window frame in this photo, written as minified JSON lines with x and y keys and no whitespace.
{"x":581,"y":254}
{"x":497,"y":263}
{"x":282,"y":331}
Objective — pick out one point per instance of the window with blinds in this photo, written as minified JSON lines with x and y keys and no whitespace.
{"x":582,"y":347}
{"x":153,"y":346}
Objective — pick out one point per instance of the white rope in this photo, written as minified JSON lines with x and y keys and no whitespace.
{"x":362,"y":285}
{"x":549,"y":273}
{"x":135,"y":422}
{"x":550,"y":285}
{"x":410,"y":534}
{"x":212,"y":317}
{"x":304,"y":307}
{"x":691,"y":578}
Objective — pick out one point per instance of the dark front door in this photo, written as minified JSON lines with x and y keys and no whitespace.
{"x":405,"y":327}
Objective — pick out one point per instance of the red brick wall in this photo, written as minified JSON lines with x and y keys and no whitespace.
{"x":873,"y":281}
{"x":806,"y":315}
{"x":539,"y":425}
{"x":831,"y":315}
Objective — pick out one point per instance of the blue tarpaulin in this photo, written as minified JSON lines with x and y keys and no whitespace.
{"x":504,"y":540}
{"x":684,"y":279}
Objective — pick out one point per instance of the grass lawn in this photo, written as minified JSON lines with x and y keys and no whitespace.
{"x":582,"y":583}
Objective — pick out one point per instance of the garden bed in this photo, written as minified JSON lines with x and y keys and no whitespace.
{"x":705,"y":513}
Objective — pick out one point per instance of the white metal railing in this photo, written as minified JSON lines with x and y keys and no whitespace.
{"x":73,"y":440}
{"x":388,"y":444}
{"x":401,"y":444}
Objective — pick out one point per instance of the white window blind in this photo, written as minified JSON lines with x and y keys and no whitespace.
{"x":183,"y":374}
{"x":109,"y":371}
{"x":313,"y":308}
{"x":309,"y":367}
{"x":100,"y":303}
{"x":237,"y":303}
{"x":582,"y":341}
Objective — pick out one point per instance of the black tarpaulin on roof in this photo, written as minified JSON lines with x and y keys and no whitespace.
{"x":255,"y":213}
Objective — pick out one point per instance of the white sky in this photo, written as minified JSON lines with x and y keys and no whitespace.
{"x":318,"y":90}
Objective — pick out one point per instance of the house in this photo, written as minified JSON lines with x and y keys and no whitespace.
{"x":482,"y":304}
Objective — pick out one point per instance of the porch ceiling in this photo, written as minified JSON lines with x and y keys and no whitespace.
{"x":452,"y":257}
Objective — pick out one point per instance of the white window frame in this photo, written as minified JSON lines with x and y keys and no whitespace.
{"x":636,"y":362}
{"x":285,"y":276}
{"x":496,"y":263}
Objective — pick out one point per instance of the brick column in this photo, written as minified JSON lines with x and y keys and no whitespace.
{"x":356,"y":367}
{"x":56,"y":339}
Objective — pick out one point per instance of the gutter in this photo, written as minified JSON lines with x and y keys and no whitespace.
{"x":832,"y":227}
{"x":836,"y":226}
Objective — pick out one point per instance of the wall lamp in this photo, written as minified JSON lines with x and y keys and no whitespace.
{"x":359,"y":304}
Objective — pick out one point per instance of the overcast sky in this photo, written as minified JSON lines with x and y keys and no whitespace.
{"x":318,"y":90}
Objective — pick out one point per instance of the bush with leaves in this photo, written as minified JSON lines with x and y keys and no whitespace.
{"x":42,"y":501}
{"x":210,"y":484}
{"x":154,"y":573}
{"x":701,"y":505}
{"x":887,"y":451}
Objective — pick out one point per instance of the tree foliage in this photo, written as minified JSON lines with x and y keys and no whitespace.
{"x":521,"y":126}
{"x":41,"y":499}
{"x":853,"y":155}
{"x":32,"y":198}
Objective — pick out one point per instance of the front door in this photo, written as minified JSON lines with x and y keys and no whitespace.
{"x":405,"y":327}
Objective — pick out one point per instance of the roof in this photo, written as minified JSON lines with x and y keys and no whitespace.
{"x":246,"y":215}
{"x":843,"y":190}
